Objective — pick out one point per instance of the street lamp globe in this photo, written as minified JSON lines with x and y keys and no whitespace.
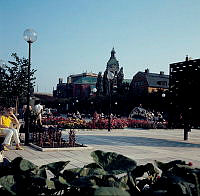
{"x":94,"y":90}
{"x":30,"y":35}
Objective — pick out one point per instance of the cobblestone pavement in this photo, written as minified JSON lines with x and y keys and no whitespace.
{"x":139,"y":144}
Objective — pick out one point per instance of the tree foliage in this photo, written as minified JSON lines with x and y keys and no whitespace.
{"x":99,"y":84}
{"x":14,"y":80}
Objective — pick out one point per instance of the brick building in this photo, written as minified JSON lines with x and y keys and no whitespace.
{"x":146,"y":82}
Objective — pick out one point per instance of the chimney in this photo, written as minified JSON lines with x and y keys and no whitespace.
{"x":60,"y":80}
{"x":147,"y":70}
{"x":186,"y":58}
{"x":162,"y":73}
{"x":69,"y":80}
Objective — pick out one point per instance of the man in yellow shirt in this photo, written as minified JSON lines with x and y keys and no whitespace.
{"x":6,"y":128}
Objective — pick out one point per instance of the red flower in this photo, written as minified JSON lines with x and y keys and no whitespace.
{"x":190,"y":163}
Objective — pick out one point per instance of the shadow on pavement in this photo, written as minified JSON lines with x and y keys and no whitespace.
{"x":134,"y":141}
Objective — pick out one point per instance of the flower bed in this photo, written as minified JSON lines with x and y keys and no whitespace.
{"x":145,"y":124}
{"x":102,"y":123}
{"x":66,"y":123}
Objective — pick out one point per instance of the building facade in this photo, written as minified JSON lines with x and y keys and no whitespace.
{"x":184,"y":91}
{"x":146,"y":82}
{"x":78,"y":85}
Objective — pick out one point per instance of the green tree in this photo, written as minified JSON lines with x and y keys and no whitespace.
{"x":99,"y":84}
{"x":15,"y":80}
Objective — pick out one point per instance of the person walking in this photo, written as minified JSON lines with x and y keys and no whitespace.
{"x":38,"y":109}
{"x":6,"y":120}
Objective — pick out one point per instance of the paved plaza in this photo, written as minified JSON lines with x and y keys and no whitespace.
{"x":139,"y":144}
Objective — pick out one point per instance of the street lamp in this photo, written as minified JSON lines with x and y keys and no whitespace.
{"x":163,"y":95}
{"x":30,"y":36}
{"x":110,"y":76}
{"x":116,"y":108}
{"x":94,"y":90}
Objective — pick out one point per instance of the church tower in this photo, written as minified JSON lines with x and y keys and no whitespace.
{"x":113,"y":64}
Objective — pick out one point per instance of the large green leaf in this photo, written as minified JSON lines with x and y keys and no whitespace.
{"x":56,"y":167}
{"x":41,"y":172}
{"x":141,"y":169}
{"x":8,"y":182}
{"x":112,"y":162}
{"x":22,"y":165}
{"x":92,"y":172}
{"x":102,"y":191}
{"x":165,"y":166}
{"x":81,"y":182}
{"x":113,"y":181}
{"x":93,"y":165}
{"x":71,"y":174}
{"x":26,"y":165}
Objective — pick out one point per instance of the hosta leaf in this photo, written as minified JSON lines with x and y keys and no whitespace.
{"x":22,"y":164}
{"x":26,"y":165}
{"x":41,"y":172}
{"x":56,"y":167}
{"x":141,"y":169}
{"x":62,"y":180}
{"x":93,"y":165}
{"x":112,"y":181}
{"x":102,"y":191}
{"x":166,"y":166}
{"x":8,"y":183}
{"x":112,"y":162}
{"x":92,"y":172}
{"x":81,"y":182}
{"x":50,"y":184}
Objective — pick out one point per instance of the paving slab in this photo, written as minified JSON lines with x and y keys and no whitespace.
{"x":141,"y":145}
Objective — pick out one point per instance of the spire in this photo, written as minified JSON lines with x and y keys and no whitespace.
{"x":113,"y":52}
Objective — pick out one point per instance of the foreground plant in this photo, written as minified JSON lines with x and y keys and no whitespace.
{"x":109,"y":174}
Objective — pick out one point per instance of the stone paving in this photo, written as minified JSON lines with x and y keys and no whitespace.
{"x":139,"y":144}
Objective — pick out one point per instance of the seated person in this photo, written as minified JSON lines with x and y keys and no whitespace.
{"x":6,"y":120}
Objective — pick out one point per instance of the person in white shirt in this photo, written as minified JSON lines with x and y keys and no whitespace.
{"x":38,"y":109}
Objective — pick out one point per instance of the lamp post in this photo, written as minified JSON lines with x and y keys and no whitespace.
{"x":116,"y":108}
{"x":110,"y":76}
{"x":30,"y":36}
{"x":92,"y":107}
{"x":187,"y":122}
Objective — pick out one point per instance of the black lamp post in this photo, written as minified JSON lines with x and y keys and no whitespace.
{"x":116,"y":108}
{"x":30,"y":36}
{"x":110,"y":76}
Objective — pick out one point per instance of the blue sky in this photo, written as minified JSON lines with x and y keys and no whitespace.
{"x":75,"y":36}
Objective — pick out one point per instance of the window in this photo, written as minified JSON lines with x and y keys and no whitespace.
{"x":162,"y":83}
